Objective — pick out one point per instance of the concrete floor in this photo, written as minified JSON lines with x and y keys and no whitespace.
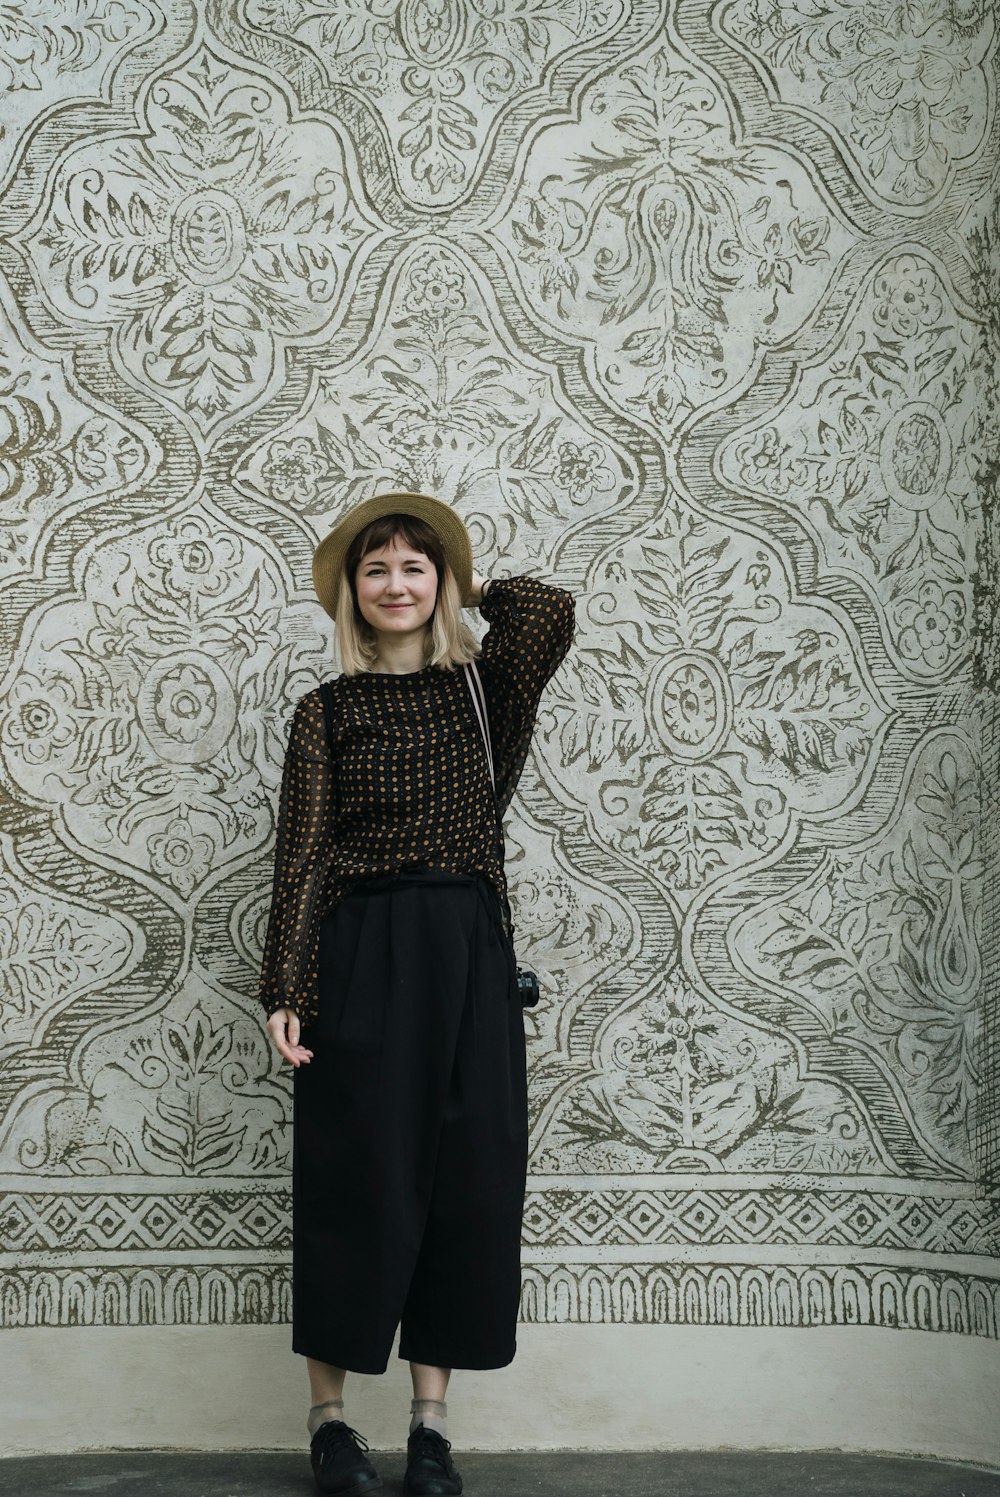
{"x":553,"y":1474}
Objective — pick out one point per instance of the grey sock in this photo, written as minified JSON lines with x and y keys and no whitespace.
{"x":321,"y":1412}
{"x":432,"y":1413}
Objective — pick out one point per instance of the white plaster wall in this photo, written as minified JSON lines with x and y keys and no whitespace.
{"x":692,"y":309}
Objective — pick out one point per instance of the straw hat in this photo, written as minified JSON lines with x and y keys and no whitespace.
{"x":328,"y":558}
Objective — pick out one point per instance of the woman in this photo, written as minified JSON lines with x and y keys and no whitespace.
{"x":389,"y":976}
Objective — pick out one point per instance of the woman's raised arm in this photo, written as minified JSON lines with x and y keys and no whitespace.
{"x":531,"y":626}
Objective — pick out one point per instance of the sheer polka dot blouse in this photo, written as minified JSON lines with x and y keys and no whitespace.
{"x":404,"y":782}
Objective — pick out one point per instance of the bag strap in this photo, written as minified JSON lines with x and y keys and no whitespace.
{"x":474,"y":682}
{"x":475,"y":685}
{"x":326,"y":696}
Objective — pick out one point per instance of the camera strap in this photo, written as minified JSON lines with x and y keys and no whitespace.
{"x":475,"y":685}
{"x":474,"y":682}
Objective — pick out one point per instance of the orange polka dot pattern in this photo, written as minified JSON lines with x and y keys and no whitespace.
{"x":406,"y":782}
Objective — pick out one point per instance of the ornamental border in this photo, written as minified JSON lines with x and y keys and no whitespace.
{"x":632,"y":1294}
{"x":156,"y":1220}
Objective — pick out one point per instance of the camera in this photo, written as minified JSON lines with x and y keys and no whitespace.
{"x":527,"y":987}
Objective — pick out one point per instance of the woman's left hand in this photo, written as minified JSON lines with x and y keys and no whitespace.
{"x":283,"y":1027}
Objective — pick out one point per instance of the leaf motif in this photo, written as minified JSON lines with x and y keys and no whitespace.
{"x":220,"y":1152}
{"x":742,"y":650}
{"x":821,"y":905}
{"x":175,"y":1039}
{"x":162,"y":1146}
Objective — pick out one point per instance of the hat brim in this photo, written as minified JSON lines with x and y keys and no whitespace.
{"x":328,"y":558}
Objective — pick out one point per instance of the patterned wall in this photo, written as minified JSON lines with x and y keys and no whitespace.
{"x":692,"y":310}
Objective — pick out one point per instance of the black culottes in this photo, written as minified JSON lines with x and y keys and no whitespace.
{"x":411,"y":1131}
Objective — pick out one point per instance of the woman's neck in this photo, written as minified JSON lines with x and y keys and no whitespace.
{"x":398,"y":657}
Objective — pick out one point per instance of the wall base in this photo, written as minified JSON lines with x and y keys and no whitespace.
{"x":600,"y":1387}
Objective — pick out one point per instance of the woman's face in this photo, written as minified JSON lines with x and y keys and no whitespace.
{"x":397,"y":588}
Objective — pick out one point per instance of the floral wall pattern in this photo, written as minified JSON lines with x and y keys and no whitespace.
{"x":690,"y":308}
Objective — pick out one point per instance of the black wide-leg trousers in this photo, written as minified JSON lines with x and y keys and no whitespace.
{"x":410,"y":1131}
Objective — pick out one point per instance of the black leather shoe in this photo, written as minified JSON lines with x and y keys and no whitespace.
{"x":339,"y":1462}
{"x":430,"y":1470}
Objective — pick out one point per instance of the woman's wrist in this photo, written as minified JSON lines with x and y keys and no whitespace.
{"x":480,"y":587}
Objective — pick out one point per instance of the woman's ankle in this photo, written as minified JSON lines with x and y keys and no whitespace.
{"x":321,"y":1413}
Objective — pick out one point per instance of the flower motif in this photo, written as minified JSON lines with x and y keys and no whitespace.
{"x":181,"y":856}
{"x":546,"y":234}
{"x":916,"y":458}
{"x":292,"y":470}
{"x":433,"y":27}
{"x":678,"y":1032}
{"x":933,"y":625}
{"x":41,"y":718}
{"x":194,"y":559}
{"x":759,"y":572}
{"x":906,"y":299}
{"x":582,"y":470}
{"x":435,"y":288}
{"x":180,"y":1092}
{"x":768,"y":462}
{"x":121,"y":634}
{"x":690,"y":705}
{"x":809,"y":237}
{"x":181,"y":704}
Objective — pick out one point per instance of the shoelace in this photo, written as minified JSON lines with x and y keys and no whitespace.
{"x":428,"y":1442}
{"x":335,"y":1433}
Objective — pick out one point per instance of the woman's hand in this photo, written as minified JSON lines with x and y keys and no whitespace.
{"x":283,"y":1027}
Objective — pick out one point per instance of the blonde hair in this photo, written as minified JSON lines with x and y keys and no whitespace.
{"x":449,"y":641}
